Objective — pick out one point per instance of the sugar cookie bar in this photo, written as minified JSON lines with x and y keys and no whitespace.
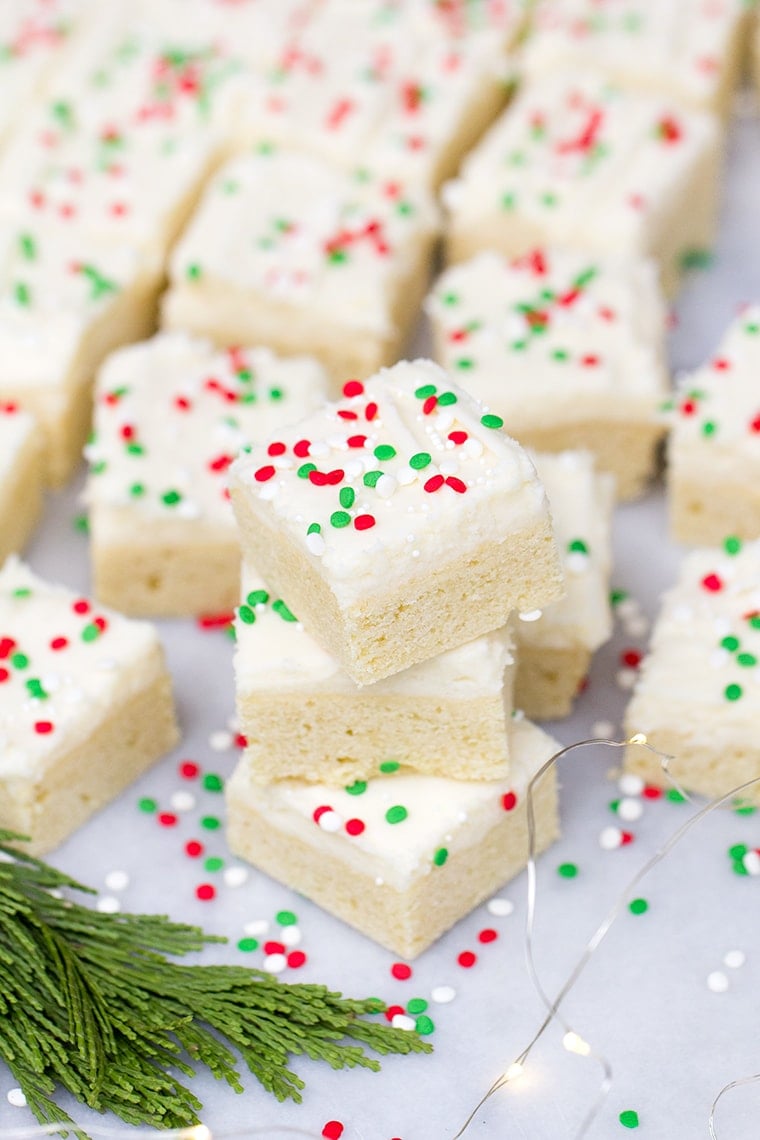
{"x":85,"y":706}
{"x":409,"y":87}
{"x":403,"y":856}
{"x":683,"y":49}
{"x":579,"y":163}
{"x":398,"y":522}
{"x":697,"y":696}
{"x":64,"y":304}
{"x":555,"y":649}
{"x":303,"y":717}
{"x":171,"y":414}
{"x":713,"y":471}
{"x":286,"y":251}
{"x":568,"y":348}
{"x":21,"y":477}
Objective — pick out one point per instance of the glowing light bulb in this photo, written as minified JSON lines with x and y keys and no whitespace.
{"x":575,"y":1044}
{"x":638,"y":738}
{"x":514,"y":1071}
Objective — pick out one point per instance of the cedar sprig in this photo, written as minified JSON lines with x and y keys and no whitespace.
{"x":92,"y":1003}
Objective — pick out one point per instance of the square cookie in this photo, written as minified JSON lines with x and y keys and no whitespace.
{"x":21,"y":477}
{"x":568,"y":348}
{"x":713,"y":472}
{"x":404,"y":856}
{"x":580,"y":163}
{"x":171,"y":414}
{"x":303,"y":717}
{"x":398,"y":522}
{"x":554,"y":650}
{"x":85,"y":706}
{"x":287,"y":251}
{"x":697,"y":696}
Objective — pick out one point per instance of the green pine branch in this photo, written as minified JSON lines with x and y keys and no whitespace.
{"x":92,"y":1003}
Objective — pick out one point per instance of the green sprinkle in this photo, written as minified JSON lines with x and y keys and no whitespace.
{"x":90,"y":632}
{"x":212,"y":782}
{"x":314,"y":528}
{"x":420,"y":459}
{"x":193,"y":272}
{"x":389,"y":766}
{"x":22,"y":592}
{"x":246,"y":615}
{"x":135,"y":449}
{"x":19,"y":660}
{"x":638,"y":906}
{"x":446,"y":399}
{"x":305,"y":470}
{"x":35,"y":689}
{"x":738,"y":851}
{"x":491,"y":421}
{"x":285,"y":918}
{"x":709,"y":427}
{"x":81,"y":524}
{"x":396,"y":814}
{"x":732,"y":692}
{"x":358,"y":788}
{"x":696,"y":259}
{"x":257,"y":598}
{"x":560,"y":354}
{"x":754,"y":621}
{"x":99,"y":467}
{"x":384,"y":451}
{"x":567,"y":870}
{"x":147,"y":805}
{"x":449,"y":299}
{"x":282,"y":611}
{"x":738,"y":867}
{"x":275,"y":394}
{"x":247,"y":944}
{"x":213,"y":863}
{"x":339,"y":519}
{"x":440,"y":856}
{"x":464,"y":363}
{"x":730,"y":642}
{"x":210,"y":823}
{"x":137,"y":490}
{"x":629,"y":1118}
{"x":732,"y":544}
{"x":618,"y":596}
{"x":549,"y":199}
{"x":416,"y":1005}
{"x":746,"y":659}
{"x":28,"y":246}
{"x":22,"y":294}
{"x":744,"y":807}
{"x":425,"y":391}
{"x":371,"y":478}
{"x":508,"y":201}
{"x":337,"y":256}
{"x":577,"y":545}
{"x":424,"y":1025}
{"x":674,"y":796}
{"x":346,"y":497}
{"x":171,"y":498}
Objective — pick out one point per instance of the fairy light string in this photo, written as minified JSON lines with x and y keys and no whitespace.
{"x":573,"y":1041}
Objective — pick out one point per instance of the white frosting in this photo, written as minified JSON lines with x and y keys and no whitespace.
{"x":60,"y":672}
{"x":173,"y":412}
{"x":387,"y":453}
{"x":554,"y":337}
{"x":701,"y":678}
{"x":583,"y":164}
{"x":676,"y":47}
{"x":442,"y":814}
{"x":302,"y":233}
{"x":716,"y":411}
{"x":16,"y":429}
{"x":275,"y":653}
{"x":580,"y":500}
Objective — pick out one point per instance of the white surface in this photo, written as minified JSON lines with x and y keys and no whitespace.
{"x":645,"y":1000}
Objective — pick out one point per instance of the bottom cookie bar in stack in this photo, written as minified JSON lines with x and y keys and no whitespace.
{"x":401,"y":856}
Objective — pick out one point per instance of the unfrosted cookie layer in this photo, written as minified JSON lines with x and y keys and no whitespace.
{"x":398,"y":522}
{"x":554,"y":651}
{"x":303,"y":717}
{"x":21,"y":477}
{"x":85,"y":706}
{"x":697,"y":696}
{"x":171,"y":415}
{"x":287,"y":251}
{"x":580,"y":163}
{"x":714,"y":446}
{"x":402,"y":857}
{"x":566,"y":347}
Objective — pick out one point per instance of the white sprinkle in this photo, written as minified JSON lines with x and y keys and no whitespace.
{"x":330,"y":821}
{"x":290,"y":935}
{"x":717,"y":982}
{"x":315,"y":544}
{"x":108,"y":904}
{"x":16,"y":1098}
{"x":220,"y":741}
{"x":182,"y":801}
{"x":117,"y":880}
{"x":610,"y":838}
{"x":379,"y":881}
{"x":188,"y":510}
{"x":734,"y":959}
{"x":530,"y":615}
{"x":406,"y":476}
{"x":403,"y":1021}
{"x":274,"y":963}
{"x":472,"y":447}
{"x":500,"y":907}
{"x":625,"y":678}
{"x":385,"y":486}
{"x":443,"y":994}
{"x":577,"y":562}
{"x":603,"y":728}
{"x":751,"y":863}
{"x":629,"y":809}
{"x":636,"y":626}
{"x":448,"y":466}
{"x":630,"y":784}
{"x":235,"y":876}
{"x":256,"y":927}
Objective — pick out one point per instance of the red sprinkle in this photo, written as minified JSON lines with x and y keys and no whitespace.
{"x":509,"y":801}
{"x":401,"y":971}
{"x":4,"y":674}
{"x":631,"y":658}
{"x":276,"y":448}
{"x":467,"y":959}
{"x":356,"y":440}
{"x":274,"y":947}
{"x":433,"y":483}
{"x":333,"y":1130}
{"x":650,"y":792}
{"x":43,"y":727}
{"x":712,"y":583}
{"x":188,"y":769}
{"x":205,"y":892}
{"x":167,"y":819}
{"x":370,"y":411}
{"x":487,"y":935}
{"x":393,"y":1011}
{"x":458,"y":436}
{"x":296,"y":959}
{"x":81,"y":606}
{"x":7,"y":645}
{"x":720,"y":364}
{"x":355,"y":826}
{"x":320,"y":811}
{"x":59,"y":643}
{"x":364,"y":522}
{"x":456,"y":484}
{"x":429,"y":405}
{"x":353,"y":388}
{"x":301,"y":449}
{"x":193,"y":848}
{"x":264,"y":474}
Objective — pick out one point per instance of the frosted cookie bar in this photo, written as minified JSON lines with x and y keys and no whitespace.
{"x":554,"y":650}
{"x":170,"y":416}
{"x":403,"y":856}
{"x":398,"y":522}
{"x":683,"y":49}
{"x":303,"y":717}
{"x":579,"y":163}
{"x":64,"y":304}
{"x":697,"y":696}
{"x":713,"y":469}
{"x":568,"y":348}
{"x":288,"y":252}
{"x":21,"y":477}
{"x":85,"y":706}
